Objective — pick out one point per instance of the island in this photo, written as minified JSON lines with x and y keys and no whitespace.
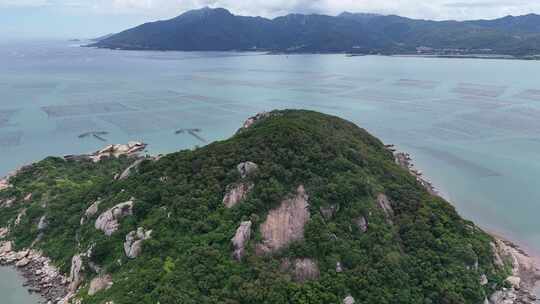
{"x":217,"y":29}
{"x":296,"y":207}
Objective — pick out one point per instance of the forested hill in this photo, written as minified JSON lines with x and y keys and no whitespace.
{"x":297,"y":207}
{"x":219,"y":30}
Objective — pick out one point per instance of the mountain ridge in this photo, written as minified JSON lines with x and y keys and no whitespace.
{"x":218,"y":29}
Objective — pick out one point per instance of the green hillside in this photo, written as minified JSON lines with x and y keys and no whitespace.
{"x":370,"y":229}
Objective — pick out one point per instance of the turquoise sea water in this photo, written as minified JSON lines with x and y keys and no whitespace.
{"x":472,"y":126}
{"x":11,"y":291}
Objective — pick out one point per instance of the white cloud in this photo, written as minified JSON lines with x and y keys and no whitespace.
{"x":433,"y":9}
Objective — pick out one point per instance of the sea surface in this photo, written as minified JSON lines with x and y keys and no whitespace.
{"x":11,"y":291}
{"x":471,"y":125}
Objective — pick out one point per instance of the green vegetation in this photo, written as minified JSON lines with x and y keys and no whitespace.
{"x":425,"y":254}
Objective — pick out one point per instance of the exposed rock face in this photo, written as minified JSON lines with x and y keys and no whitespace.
{"x":514,"y":281}
{"x":43,"y":223}
{"x":386,"y":206}
{"x":362,"y":224}
{"x":247,"y":169}
{"x":6,"y":247}
{"x":23,"y":262}
{"x":240,"y":239}
{"x":302,"y":269}
{"x":75,"y":275}
{"x":134,"y":242}
{"x":235,"y":193}
{"x":21,"y":254}
{"x":21,"y":214}
{"x":254,"y":119}
{"x":329,"y":212}
{"x":348,"y":300}
{"x":4,"y":183}
{"x":496,"y":254}
{"x":108,"y":220}
{"x":483,"y":280}
{"x":131,"y":149}
{"x":7,"y":203}
{"x":91,"y":211}
{"x":525,"y":274}
{"x":4,"y":232}
{"x":339,"y":267}
{"x":285,"y":224}
{"x":28,"y":197}
{"x":131,"y":168}
{"x":100,"y":283}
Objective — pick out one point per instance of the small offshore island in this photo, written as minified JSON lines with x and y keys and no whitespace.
{"x":296,"y":207}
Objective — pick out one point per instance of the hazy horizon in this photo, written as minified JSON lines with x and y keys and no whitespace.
{"x":65,"y":19}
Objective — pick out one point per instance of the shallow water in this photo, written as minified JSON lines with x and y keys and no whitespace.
{"x":472,"y":125}
{"x":11,"y":291}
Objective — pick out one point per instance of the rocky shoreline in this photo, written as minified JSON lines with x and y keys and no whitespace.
{"x":525,"y":272}
{"x":41,"y":277}
{"x":524,"y":277}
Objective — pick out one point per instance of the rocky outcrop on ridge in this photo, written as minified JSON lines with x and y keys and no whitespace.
{"x":254,"y":119}
{"x":129,"y":149}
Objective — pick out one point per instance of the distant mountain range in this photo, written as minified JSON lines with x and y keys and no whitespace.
{"x":219,"y":30}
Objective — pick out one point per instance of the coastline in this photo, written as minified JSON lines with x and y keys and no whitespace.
{"x":525,"y":268}
{"x":41,"y":277}
{"x":344,"y":52}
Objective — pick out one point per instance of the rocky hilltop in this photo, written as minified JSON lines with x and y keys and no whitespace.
{"x":296,"y":207}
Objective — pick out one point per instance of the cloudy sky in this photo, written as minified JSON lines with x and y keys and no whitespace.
{"x":89,"y":18}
